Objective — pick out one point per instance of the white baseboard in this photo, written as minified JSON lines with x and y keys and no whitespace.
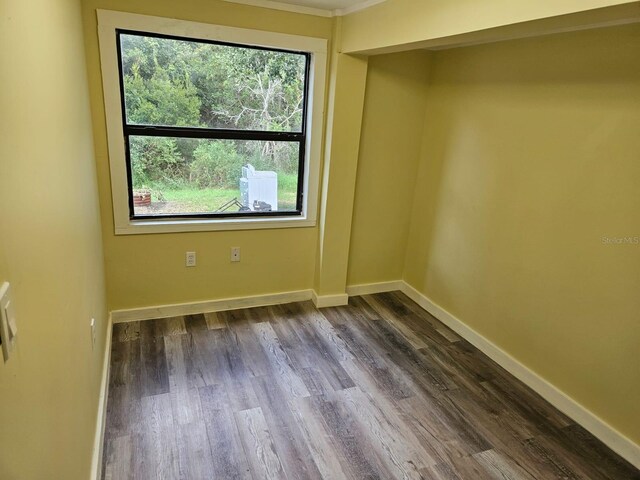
{"x":96,"y":460}
{"x":369,"y":288}
{"x":164,"y":311}
{"x":615,"y":440}
{"x":323,"y":301}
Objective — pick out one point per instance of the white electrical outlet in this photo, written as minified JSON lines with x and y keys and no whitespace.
{"x":190,"y":259}
{"x":93,"y":332}
{"x":235,"y":254}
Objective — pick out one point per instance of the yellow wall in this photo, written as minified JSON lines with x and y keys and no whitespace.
{"x":400,"y":22}
{"x":347,"y":81}
{"x":50,"y":244}
{"x":530,"y":157}
{"x":392,"y":128}
{"x":148,"y":270}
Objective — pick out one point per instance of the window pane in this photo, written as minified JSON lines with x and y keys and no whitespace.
{"x":183,"y":176}
{"x":181,"y":83}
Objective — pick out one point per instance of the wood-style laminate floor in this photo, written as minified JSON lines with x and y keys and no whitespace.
{"x":378,"y":389}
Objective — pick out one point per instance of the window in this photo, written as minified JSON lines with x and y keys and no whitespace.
{"x":210,"y":127}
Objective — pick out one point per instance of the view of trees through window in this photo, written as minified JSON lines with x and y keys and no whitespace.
{"x":196,"y":113}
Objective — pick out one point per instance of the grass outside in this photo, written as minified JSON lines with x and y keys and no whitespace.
{"x":191,"y":199}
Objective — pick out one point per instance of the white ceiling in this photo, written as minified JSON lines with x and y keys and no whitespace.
{"x":317,"y":7}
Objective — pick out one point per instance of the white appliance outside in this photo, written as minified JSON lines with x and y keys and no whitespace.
{"x":258,"y":186}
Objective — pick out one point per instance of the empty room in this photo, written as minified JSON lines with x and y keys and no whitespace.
{"x":319,"y":239}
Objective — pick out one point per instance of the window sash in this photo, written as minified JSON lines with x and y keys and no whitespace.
{"x":307,"y":68}
{"x":280,"y":213}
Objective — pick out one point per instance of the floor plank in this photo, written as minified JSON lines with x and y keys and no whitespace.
{"x":228,"y":457}
{"x":258,"y":445}
{"x":194,"y":452}
{"x":328,"y":457}
{"x":159,"y":453}
{"x":279,"y":360}
{"x":296,"y":458}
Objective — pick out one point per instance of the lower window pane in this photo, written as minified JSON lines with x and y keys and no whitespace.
{"x":184,"y":176}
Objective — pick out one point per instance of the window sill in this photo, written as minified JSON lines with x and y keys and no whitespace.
{"x":135,"y":227}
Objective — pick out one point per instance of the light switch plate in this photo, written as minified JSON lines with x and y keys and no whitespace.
{"x":8,"y":326}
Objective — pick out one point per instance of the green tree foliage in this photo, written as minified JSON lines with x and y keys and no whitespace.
{"x":265,"y":90}
{"x":180,"y":83}
{"x":156,"y":161}
{"x":160,"y":100}
{"x":216,"y":164}
{"x":158,"y":87}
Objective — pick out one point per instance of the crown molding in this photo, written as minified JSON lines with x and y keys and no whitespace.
{"x":319,"y":12}
{"x":340,"y":12}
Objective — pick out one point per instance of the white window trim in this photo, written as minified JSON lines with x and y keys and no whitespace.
{"x":109,"y":21}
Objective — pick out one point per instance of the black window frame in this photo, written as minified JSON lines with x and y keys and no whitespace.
{"x":214,"y":133}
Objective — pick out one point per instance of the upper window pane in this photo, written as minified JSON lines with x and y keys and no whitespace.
{"x":186,"y":83}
